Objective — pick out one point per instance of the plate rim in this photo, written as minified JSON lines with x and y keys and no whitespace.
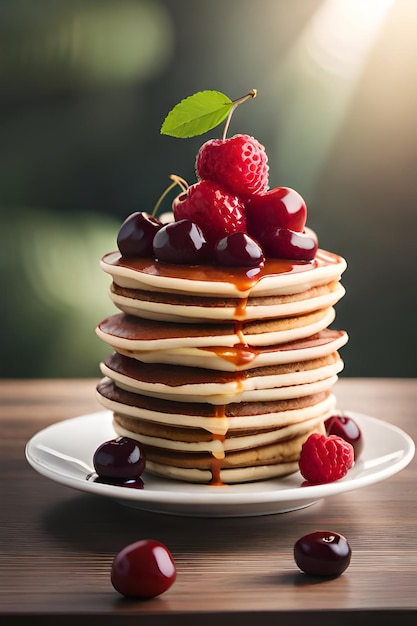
{"x":210,"y":496}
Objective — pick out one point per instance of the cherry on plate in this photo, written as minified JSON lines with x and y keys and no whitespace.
{"x":322,"y":553}
{"x":119,"y":458}
{"x":345,"y":427}
{"x":143,"y":569}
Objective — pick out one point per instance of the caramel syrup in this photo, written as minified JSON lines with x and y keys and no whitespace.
{"x":215,"y":468}
{"x":215,"y":464}
{"x":240,"y":354}
{"x":240,"y":309}
{"x":220,"y":412}
{"x":243,"y":279}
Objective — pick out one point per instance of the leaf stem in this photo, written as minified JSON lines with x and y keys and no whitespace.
{"x":252,"y":94}
{"x":177,"y":181}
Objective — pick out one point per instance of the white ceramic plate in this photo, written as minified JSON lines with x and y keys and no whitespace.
{"x":63,"y":452}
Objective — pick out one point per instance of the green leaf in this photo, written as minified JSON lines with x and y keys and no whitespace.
{"x":197,"y":114}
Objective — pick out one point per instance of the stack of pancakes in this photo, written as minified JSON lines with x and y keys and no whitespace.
{"x":221,"y":373}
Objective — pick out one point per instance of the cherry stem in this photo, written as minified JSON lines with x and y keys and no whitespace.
{"x":252,"y":94}
{"x":177,"y":181}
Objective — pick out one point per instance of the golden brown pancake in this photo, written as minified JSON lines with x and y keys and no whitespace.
{"x":221,"y":373}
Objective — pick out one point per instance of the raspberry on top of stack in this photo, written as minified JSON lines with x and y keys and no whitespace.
{"x":223,"y":359}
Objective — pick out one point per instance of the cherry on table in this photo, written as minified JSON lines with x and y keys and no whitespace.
{"x":322,"y":553}
{"x":345,"y":427}
{"x":135,"y":237}
{"x":143,"y":569}
{"x":120,"y":458}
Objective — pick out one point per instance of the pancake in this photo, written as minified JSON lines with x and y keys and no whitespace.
{"x":194,"y":440}
{"x":195,"y":309}
{"x":276,"y":277}
{"x":236,"y":475}
{"x":255,"y":455}
{"x":135,"y":336}
{"x":221,"y":373}
{"x":261,"y":384}
{"x":259,"y":463}
{"x":218,"y":420}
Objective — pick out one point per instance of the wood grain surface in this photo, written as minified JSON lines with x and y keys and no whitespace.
{"x":57,"y":544}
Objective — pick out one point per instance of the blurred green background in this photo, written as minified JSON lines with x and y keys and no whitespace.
{"x":85,"y":86}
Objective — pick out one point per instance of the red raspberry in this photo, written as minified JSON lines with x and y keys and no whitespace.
{"x":238,"y":163}
{"x":217,"y":212}
{"x":325,"y":459}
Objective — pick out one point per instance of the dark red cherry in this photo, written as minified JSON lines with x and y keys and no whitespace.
{"x":143,"y":569}
{"x":322,"y":553}
{"x":180,"y":242}
{"x":281,"y":207}
{"x":136,"y":234}
{"x":238,"y":249}
{"x":119,"y":458}
{"x":348,"y":429}
{"x":282,"y":243}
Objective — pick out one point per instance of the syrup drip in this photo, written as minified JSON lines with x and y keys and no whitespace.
{"x":239,"y":354}
{"x":215,"y":464}
{"x":240,"y":335}
{"x":240,"y":309}
{"x":220,"y":412}
{"x":215,"y":468}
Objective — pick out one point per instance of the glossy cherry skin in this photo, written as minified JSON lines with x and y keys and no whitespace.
{"x":143,"y":569}
{"x":119,"y":458}
{"x":347,"y":428}
{"x":322,"y":553}
{"x":181,"y":242}
{"x":281,"y":243}
{"x":280,"y":207}
{"x":135,"y":237}
{"x":238,"y":250}
{"x":311,"y":233}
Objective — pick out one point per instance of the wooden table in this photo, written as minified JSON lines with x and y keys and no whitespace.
{"x":57,"y":544}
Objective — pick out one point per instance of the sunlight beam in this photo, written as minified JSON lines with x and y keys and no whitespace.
{"x":316,"y":83}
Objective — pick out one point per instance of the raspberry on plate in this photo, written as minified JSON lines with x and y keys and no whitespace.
{"x":238,"y":163}
{"x":325,"y":459}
